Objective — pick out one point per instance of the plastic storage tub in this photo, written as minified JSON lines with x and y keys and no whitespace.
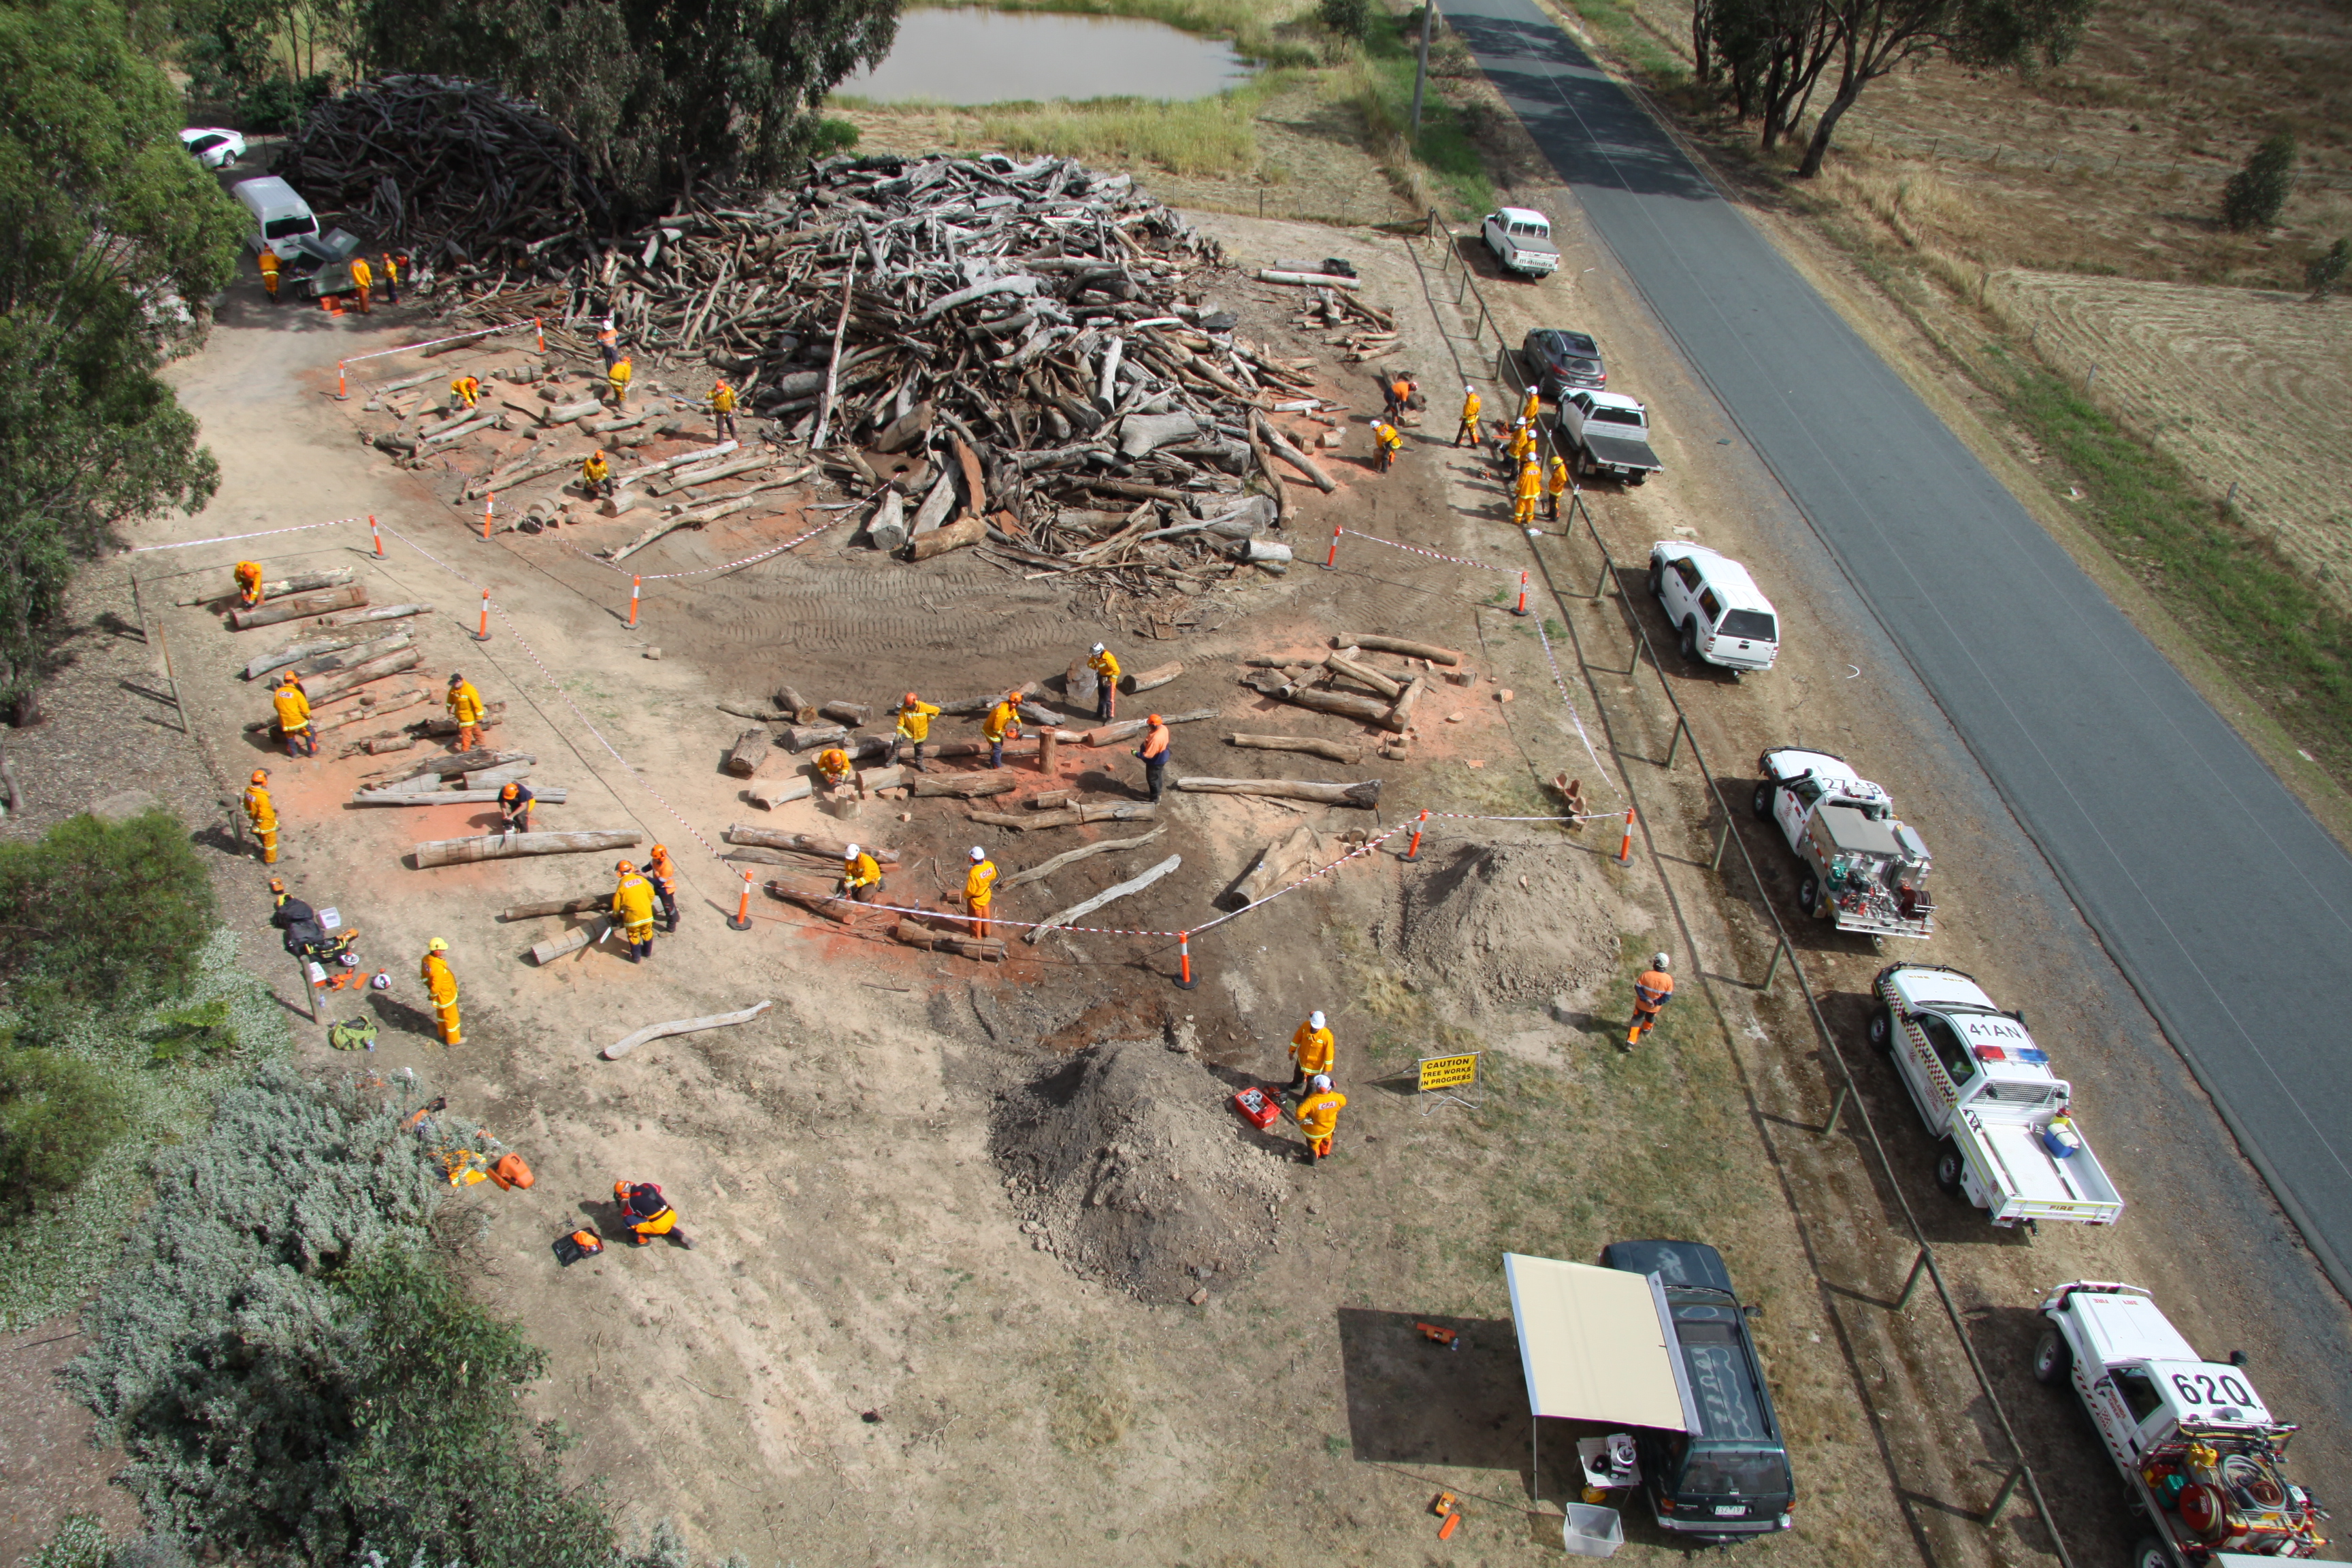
{"x":1591,"y":1531}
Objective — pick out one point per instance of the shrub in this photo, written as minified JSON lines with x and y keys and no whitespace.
{"x":280,"y":103}
{"x":81,"y":1542}
{"x":834,"y":136}
{"x":58,"y":1114}
{"x":2323,"y":272}
{"x":1349,"y":18}
{"x":101,"y":915}
{"x":2255,"y":193}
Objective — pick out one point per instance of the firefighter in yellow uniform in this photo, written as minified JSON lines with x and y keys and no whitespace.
{"x":1003,"y":724}
{"x":391,"y":279}
{"x":832,"y":766}
{"x":617,"y":378}
{"x":861,"y":875}
{"x":263,"y":814}
{"x":269,"y":274}
{"x":1104,"y":664}
{"x":442,"y":986}
{"x":248,"y":583}
{"x":1558,"y":486}
{"x":722,"y":411}
{"x":1387,"y":442}
{"x":466,"y":707}
{"x":633,"y":906}
{"x":1313,"y":1049}
{"x":596,"y":476}
{"x":362,"y":282}
{"x":1534,"y":404}
{"x":1318,"y":1116}
{"x":466,"y":389}
{"x":980,"y":890}
{"x":1523,"y":440}
{"x":293,"y":705}
{"x":1470,"y":406}
{"x":915,"y":717}
{"x":1530,"y":487}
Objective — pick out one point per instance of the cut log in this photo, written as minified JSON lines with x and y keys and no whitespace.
{"x":492,"y":778}
{"x":1068,"y":816}
{"x":975,"y":482}
{"x":853,"y":714}
{"x":987,"y":950}
{"x":1146,"y":679}
{"x":472,"y":761}
{"x":547,"y":795}
{"x":803,"y":711}
{"x":1081,"y":684}
{"x":389,"y":702}
{"x":935,"y":506}
{"x":1336,"y":751}
{"x":1082,"y":852}
{"x":1135,"y":884}
{"x":1364,"y":675}
{"x":375,"y":745}
{"x":807,"y":843}
{"x":492,"y":714}
{"x":887,"y":529}
{"x":751,"y":747}
{"x":294,"y":652}
{"x":555,"y":947}
{"x":798,"y":738}
{"x":822,"y":901}
{"x":579,"y":905}
{"x":1049,"y":799}
{"x":518,"y":473}
{"x":510,"y":846}
{"x":1402,"y":714}
{"x":566,"y":412}
{"x":954,"y":536}
{"x":1371,"y":711}
{"x":1365,"y":794}
{"x":965,"y":785}
{"x":481,"y":420}
{"x":1026,"y":747}
{"x":628,"y":1043}
{"x":351,"y":657}
{"x":1290,"y":454}
{"x":293,"y":608}
{"x":742,"y":709}
{"x":1313,"y":279}
{"x":383,"y":613}
{"x":1377,"y":643}
{"x":904,"y":431}
{"x":1285,"y":860}
{"x":358,"y":675}
{"x":687,"y":478}
{"x":1127,"y":728}
{"x":769,"y":794}
{"x":875,"y":780}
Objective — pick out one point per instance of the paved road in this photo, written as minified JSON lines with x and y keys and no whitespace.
{"x":2225,"y":903}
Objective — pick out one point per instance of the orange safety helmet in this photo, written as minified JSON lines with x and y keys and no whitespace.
{"x":624,"y":868}
{"x":911,"y":700}
{"x":261,"y":775}
{"x":660,"y":851}
{"x":510,"y":790}
{"x":1152,"y":718}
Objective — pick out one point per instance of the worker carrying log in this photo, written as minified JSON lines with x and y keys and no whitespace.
{"x":293,"y":705}
{"x":363,"y":284}
{"x":269,"y":273}
{"x":515,"y":801}
{"x":616,"y":379}
{"x":1523,"y":511}
{"x":467,"y":389}
{"x":442,"y":986}
{"x":979,"y":889}
{"x":861,"y":877}
{"x":662,"y":872}
{"x":647,"y":1214}
{"x":1387,"y":442}
{"x":1154,"y":753}
{"x":1003,"y":724}
{"x":832,"y":766}
{"x":1312,"y":1050}
{"x":1318,"y":1116}
{"x":262,"y":813}
{"x":1558,"y":487}
{"x":1652,"y":989}
{"x":915,"y":717}
{"x":633,"y":906}
{"x":1104,"y":664}
{"x":248,"y":583}
{"x":722,"y":411}
{"x":465,"y":705}
{"x":596,"y":476}
{"x":1469,"y":430}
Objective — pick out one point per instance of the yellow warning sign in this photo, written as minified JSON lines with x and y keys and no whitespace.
{"x":1448,"y":1072}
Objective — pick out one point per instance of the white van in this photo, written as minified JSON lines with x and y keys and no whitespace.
{"x":279,"y":215}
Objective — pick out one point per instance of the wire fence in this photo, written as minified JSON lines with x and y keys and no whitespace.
{"x":1848,"y":1101}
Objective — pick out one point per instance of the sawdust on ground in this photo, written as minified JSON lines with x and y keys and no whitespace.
{"x":1503,"y":923}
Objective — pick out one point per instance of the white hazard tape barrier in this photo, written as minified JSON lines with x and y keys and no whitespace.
{"x":437,"y":342}
{"x":706,"y":571}
{"x":232,"y":538}
{"x":1433,"y":555}
{"x":1544,"y":638}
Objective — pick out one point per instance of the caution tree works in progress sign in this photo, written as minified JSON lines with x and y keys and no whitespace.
{"x":1448,"y":1072}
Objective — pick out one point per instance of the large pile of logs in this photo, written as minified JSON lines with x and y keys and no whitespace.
{"x":451,"y":172}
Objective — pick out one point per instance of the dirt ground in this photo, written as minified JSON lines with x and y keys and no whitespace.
{"x":869,"y":1352}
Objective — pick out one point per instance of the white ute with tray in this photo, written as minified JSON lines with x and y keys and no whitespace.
{"x":1985,"y":1090}
{"x":2205,"y":1462}
{"x":1521,"y":241}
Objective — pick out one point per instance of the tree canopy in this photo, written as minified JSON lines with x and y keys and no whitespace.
{"x":111,"y":241}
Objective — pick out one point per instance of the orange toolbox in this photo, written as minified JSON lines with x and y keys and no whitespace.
{"x":1257,"y":1107}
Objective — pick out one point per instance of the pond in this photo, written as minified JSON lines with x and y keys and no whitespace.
{"x":970,"y":56}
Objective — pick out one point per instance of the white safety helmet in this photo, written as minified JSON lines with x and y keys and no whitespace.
{"x":1660,"y":960}
{"x":850,"y":853}
{"x":1319,"y":1082}
{"x":978,"y":853}
{"x":1316,"y":1019}
{"x":1098,"y":647}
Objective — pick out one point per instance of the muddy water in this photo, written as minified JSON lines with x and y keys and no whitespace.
{"x":966,"y":57}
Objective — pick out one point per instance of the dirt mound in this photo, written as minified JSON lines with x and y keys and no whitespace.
{"x":1129,"y":1164}
{"x":1503,"y":923}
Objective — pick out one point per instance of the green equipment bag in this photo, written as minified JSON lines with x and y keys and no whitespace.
{"x":352,"y":1034}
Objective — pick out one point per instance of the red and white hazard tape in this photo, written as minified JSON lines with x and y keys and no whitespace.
{"x":706,"y":571}
{"x":232,"y":538}
{"x":1546,"y":638}
{"x":437,"y":342}
{"x":1434,"y":555}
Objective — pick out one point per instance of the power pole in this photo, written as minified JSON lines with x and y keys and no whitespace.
{"x":1421,"y":72}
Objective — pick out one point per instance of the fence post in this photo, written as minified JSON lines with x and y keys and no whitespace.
{"x":2001,"y":1499}
{"x":1773,"y":968}
{"x":1682,"y":727}
{"x":1601,"y":580}
{"x":1837,"y":1109}
{"x":1918,"y":1267}
{"x":1721,"y":845}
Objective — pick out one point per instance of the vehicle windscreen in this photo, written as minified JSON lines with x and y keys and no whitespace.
{"x":206,"y":143}
{"x":2016,"y":1093}
{"x":281,"y":227}
{"x":1753,"y":625}
{"x":1736,"y":1472}
{"x":1720,"y":1378}
{"x":1578,"y":344}
{"x":1618,"y":416}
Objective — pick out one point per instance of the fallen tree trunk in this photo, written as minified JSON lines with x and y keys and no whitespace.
{"x":769,"y":794}
{"x":1069,"y":855}
{"x":843,"y":711}
{"x":1108,"y":894}
{"x":964,"y":786}
{"x":987,"y":950}
{"x":511,"y":846}
{"x":1402,"y":714}
{"x":300,"y":582}
{"x":752,"y":748}
{"x":753,"y":711}
{"x":954,"y":536}
{"x":801,"y":711}
{"x":360,"y":674}
{"x":1292,"y":455}
{"x":1127,"y":728}
{"x":1068,"y":816}
{"x":800,"y":737}
{"x":294,"y":652}
{"x":1340,"y":664}
{"x":555,"y":947}
{"x":391,"y":702}
{"x":351,"y":657}
{"x":506,"y":479}
{"x":271,"y":611}
{"x":1159,"y":675}
{"x":385,"y":613}
{"x":1366,"y":793}
{"x":807,"y":843}
{"x":628,"y":1043}
{"x":472,"y":761}
{"x":1314,"y":279}
{"x":1302,"y":849}
{"x":1380,"y":644}
{"x":1371,"y":711}
{"x":831,"y":905}
{"x":1336,"y":751}
{"x":579,"y":905}
{"x":546,"y":795}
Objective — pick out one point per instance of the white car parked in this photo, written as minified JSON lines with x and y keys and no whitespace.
{"x":1724,"y":618}
{"x":212,"y":146}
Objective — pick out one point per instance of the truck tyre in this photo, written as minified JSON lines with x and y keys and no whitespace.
{"x":1948,"y":1166}
{"x":1880,"y":1031}
{"x":1761,"y":802}
{"x":2150,"y":1554}
{"x":2053,"y":1358}
{"x":1690,"y":640}
{"x":1809,"y":892}
{"x":1658,"y":581}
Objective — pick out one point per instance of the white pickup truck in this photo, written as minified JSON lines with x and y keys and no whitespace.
{"x":1521,"y":241}
{"x":1607,"y":434}
{"x":2204,"y":1461}
{"x":1866,"y":868}
{"x":1985,"y":1090}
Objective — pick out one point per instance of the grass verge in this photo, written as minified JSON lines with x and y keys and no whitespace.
{"x":1205,"y":136}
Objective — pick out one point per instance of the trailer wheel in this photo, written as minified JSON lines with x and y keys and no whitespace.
{"x":2053,"y":1358}
{"x":1761,"y":802}
{"x":2150,"y":1554}
{"x":1808,"y":891}
{"x":1881,"y":1031}
{"x":1948,"y":1166}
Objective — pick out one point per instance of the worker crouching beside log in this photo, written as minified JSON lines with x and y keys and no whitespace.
{"x":861,"y":876}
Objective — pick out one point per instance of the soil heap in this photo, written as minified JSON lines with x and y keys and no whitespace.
{"x":1503,"y":923}
{"x":1128,"y":1165}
